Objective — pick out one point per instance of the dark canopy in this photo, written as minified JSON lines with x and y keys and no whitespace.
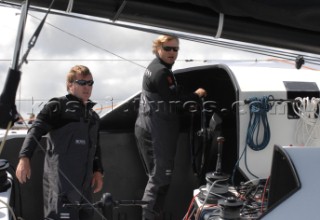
{"x":289,"y":24}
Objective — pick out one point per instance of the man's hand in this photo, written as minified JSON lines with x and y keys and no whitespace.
{"x":97,"y":181}
{"x":201,"y":92}
{"x":23,"y":171}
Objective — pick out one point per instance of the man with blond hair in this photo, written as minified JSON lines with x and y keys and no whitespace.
{"x":157,"y":125}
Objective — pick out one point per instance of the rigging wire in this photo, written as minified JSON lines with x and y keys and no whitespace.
{"x":135,"y":60}
{"x":246,"y":47}
{"x":268,"y":51}
{"x":88,"y":42}
{"x":255,"y":49}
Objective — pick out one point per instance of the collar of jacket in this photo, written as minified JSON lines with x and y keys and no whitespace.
{"x":169,"y":66}
{"x":71,"y":97}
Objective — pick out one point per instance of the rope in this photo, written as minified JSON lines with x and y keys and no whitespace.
{"x":307,"y":128}
{"x":258,"y":114}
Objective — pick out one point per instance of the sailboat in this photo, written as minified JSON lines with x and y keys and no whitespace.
{"x":255,"y":134}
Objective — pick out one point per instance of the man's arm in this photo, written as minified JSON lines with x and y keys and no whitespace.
{"x":40,"y":127}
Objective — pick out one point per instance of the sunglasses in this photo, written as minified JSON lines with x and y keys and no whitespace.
{"x":82,"y":82}
{"x":168,"y":48}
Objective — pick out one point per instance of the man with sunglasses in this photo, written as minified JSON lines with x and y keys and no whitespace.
{"x":157,"y":125}
{"x":72,"y":165}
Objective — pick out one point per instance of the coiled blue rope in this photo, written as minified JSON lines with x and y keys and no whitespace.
{"x":258,"y":114}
